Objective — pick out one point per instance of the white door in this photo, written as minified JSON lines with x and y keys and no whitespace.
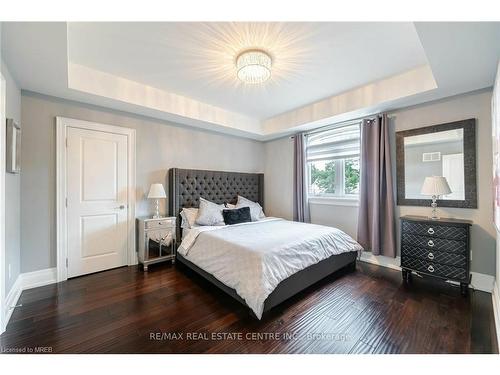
{"x":97,"y":211}
{"x":453,"y":170}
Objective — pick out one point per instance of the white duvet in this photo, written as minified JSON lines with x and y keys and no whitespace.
{"x":253,"y":258}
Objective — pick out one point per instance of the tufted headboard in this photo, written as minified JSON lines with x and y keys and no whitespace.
{"x":186,"y":186}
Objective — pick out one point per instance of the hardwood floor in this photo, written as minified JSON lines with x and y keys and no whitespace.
{"x":369,"y":311}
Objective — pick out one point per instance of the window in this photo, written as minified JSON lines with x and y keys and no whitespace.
{"x":333,"y":161}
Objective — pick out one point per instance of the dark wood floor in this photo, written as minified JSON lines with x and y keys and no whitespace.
{"x":172,"y":310}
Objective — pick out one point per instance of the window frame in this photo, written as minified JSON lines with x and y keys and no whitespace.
{"x":341,"y":197}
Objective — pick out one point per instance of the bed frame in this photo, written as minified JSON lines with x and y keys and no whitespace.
{"x":186,"y":186}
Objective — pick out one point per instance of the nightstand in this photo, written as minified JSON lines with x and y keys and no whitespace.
{"x":155,"y":240}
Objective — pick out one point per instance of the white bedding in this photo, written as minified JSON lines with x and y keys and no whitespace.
{"x":253,"y":258}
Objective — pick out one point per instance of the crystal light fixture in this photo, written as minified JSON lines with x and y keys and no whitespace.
{"x":253,"y":66}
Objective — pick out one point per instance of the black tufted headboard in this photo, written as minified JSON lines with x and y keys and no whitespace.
{"x":186,"y":186}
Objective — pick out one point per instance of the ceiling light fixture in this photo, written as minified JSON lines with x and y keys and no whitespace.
{"x":253,"y":66}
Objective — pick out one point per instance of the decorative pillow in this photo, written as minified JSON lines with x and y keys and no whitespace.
{"x":188,"y":216}
{"x":236,"y":215}
{"x":210,"y":213}
{"x":184,"y":221}
{"x":256,"y":211}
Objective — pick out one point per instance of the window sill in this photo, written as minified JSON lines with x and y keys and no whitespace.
{"x":335,"y":201}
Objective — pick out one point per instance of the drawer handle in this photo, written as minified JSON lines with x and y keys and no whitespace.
{"x":430,"y":256}
{"x":430,"y":243}
{"x":430,"y":268}
{"x":430,"y":231}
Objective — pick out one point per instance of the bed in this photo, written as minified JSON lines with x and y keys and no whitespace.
{"x":260,"y":264}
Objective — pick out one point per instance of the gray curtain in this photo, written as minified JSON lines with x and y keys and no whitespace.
{"x":300,"y":201}
{"x":376,"y":221}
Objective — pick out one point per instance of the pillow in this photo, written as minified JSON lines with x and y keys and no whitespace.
{"x":210,"y":213}
{"x":229,"y":205}
{"x":256,"y":211}
{"x":188,"y":216}
{"x":236,"y":215}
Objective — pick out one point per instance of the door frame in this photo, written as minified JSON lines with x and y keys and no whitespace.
{"x":3,"y":115}
{"x":62,"y":125}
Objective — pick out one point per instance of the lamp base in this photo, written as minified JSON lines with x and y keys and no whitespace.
{"x":434,"y":215}
{"x":157,"y":210}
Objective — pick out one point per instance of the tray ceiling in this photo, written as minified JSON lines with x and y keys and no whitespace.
{"x":184,"y":72}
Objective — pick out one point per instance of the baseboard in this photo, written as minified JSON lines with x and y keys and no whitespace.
{"x":480,"y":281}
{"x":483,"y":282}
{"x":495,"y":299}
{"x":26,"y":281}
{"x":392,"y":263}
{"x":11,"y":300}
{"x":39,"y":278}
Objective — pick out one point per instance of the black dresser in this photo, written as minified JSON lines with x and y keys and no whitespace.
{"x":439,"y":248}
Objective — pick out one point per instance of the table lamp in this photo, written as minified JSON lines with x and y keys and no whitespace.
{"x":157,"y":192}
{"x":435,"y":186}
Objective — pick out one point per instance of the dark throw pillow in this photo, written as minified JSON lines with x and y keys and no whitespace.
{"x":237,"y":215}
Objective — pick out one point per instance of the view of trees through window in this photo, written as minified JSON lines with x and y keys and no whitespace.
{"x":351,"y":176}
{"x":333,"y":161}
{"x":324,"y":179}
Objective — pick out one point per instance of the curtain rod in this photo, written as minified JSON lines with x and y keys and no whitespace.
{"x":342,"y":123}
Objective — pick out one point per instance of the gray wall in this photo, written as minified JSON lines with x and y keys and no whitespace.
{"x":160,"y":146}
{"x":278,"y":174}
{"x":12,"y":190}
{"x":475,"y":105}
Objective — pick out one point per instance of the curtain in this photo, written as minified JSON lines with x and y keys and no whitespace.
{"x":300,"y":201}
{"x":376,"y":220}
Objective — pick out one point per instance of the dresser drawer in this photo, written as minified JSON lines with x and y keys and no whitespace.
{"x":451,"y":259}
{"x":435,"y":230}
{"x":159,"y":223}
{"x":432,"y":243}
{"x":435,"y":269}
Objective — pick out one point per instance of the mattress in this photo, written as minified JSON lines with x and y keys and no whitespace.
{"x":253,"y":258}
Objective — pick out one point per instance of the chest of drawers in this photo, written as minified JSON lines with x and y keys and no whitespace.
{"x":437,"y":248}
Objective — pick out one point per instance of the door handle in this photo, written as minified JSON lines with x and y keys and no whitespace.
{"x":121,"y":207}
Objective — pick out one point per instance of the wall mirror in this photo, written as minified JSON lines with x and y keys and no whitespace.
{"x":447,"y":150}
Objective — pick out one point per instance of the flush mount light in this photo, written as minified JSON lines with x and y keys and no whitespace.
{"x":253,"y":66}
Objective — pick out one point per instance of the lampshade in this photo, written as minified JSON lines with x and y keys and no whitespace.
{"x":156,"y":192}
{"x":435,"y":185}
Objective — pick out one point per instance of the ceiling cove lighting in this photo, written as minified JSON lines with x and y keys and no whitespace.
{"x":253,"y":66}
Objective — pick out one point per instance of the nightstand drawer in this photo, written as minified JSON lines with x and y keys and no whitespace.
{"x":437,"y":244}
{"x":436,"y":230}
{"x":435,"y":269}
{"x":451,"y":259}
{"x":159,"y":223}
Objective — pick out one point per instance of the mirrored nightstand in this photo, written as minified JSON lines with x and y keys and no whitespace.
{"x":155,"y":240}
